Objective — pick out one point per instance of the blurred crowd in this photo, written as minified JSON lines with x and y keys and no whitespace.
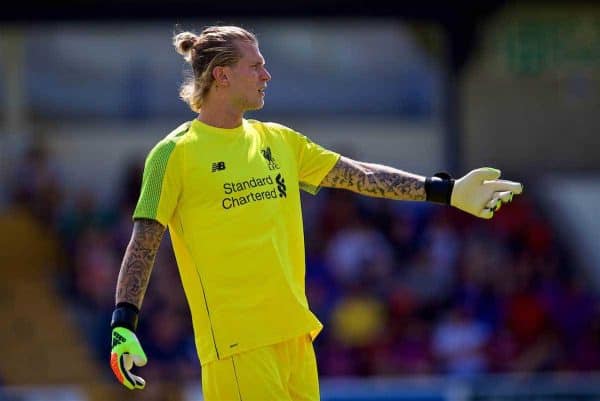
{"x":402,"y":287}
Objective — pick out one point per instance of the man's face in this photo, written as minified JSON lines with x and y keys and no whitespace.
{"x":248,"y":78}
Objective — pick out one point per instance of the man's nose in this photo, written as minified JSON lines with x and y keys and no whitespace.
{"x":266,"y":76}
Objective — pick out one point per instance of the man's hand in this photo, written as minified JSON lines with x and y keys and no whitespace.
{"x":126,"y":351}
{"x":481,"y":193}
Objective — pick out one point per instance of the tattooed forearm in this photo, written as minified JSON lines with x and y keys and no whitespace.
{"x":375,"y":180}
{"x":138,"y":261}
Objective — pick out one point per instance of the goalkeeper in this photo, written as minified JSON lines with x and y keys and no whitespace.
{"x":228,"y":189}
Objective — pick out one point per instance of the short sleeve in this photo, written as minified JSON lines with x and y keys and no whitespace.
{"x":314,"y":162}
{"x":161,"y":184}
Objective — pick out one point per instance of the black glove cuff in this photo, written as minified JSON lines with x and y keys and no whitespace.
{"x":125,"y":315}
{"x":438,"y":188}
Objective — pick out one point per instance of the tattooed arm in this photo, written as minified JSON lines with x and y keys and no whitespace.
{"x":126,"y":349}
{"x":138,"y":261}
{"x":375,"y":180}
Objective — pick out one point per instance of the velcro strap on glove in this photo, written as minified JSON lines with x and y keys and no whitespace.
{"x":438,"y":188}
{"x":125,"y":315}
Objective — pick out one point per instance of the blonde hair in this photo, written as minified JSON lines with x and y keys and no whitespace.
{"x":214,"y":47}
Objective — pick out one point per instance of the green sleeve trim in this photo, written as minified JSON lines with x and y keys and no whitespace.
{"x":154,"y":173}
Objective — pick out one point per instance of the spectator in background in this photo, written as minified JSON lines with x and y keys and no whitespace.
{"x":482,"y":276}
{"x":357,"y":324}
{"x":426,"y":282}
{"x":358,"y":249}
{"x":402,"y":231}
{"x":526,"y":316}
{"x":37,"y":186}
{"x":409,"y":349}
{"x":459,"y":343}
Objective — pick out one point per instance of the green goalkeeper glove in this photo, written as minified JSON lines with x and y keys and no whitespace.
{"x":126,"y":349}
{"x":480,"y":192}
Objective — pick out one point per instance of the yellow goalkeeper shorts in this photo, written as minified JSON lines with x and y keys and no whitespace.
{"x":285,"y":371}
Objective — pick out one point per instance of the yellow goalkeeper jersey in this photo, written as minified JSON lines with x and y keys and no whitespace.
{"x":231,"y":200}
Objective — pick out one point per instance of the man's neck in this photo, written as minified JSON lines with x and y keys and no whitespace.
{"x":220,"y":117}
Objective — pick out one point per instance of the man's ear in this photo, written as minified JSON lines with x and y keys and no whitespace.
{"x":221,"y":75}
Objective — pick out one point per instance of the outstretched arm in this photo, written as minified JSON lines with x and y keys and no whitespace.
{"x":480,"y":192}
{"x":375,"y":180}
{"x":138,"y":262}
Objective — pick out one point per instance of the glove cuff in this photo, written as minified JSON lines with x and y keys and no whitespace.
{"x":125,"y":315}
{"x":438,"y":188}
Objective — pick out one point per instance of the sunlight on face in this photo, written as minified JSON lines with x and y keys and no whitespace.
{"x":248,"y":78}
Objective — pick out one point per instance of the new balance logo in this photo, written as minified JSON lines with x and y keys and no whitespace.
{"x":117,"y":339}
{"x":280,"y":186}
{"x":218,"y":166}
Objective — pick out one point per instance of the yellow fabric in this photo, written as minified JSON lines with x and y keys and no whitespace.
{"x":283,"y":371}
{"x":231,"y":200}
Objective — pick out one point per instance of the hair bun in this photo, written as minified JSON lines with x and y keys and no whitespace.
{"x":184,"y":42}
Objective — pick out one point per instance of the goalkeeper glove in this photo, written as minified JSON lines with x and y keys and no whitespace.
{"x":125,"y":348}
{"x":479,"y":193}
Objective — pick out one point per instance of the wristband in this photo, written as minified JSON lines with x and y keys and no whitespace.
{"x":438,"y":188}
{"x":125,"y":315}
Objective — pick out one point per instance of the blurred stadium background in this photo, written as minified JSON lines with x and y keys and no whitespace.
{"x":419,"y":302}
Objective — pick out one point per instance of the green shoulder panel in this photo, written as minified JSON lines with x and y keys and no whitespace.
{"x":154,"y":173}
